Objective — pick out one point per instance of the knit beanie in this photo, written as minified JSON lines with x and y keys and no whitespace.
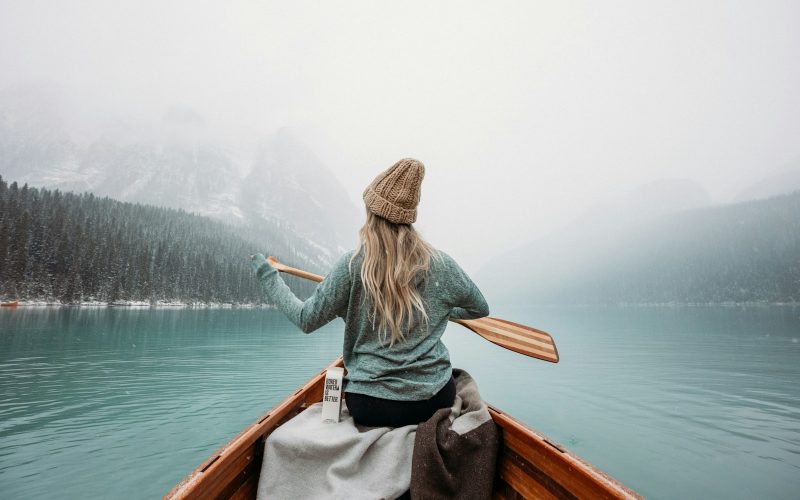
{"x":394,"y":194}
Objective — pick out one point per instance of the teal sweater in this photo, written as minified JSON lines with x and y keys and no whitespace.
{"x":411,"y":370}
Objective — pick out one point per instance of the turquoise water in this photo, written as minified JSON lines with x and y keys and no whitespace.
{"x":685,"y":402}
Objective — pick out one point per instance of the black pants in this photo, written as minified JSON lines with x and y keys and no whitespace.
{"x":378,"y":412}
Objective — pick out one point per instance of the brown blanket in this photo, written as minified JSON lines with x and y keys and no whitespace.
{"x":455,"y":451}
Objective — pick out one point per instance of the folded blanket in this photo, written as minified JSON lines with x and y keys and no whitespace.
{"x":452,"y":454}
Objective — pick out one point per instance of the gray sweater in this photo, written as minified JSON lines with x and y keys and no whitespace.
{"x":411,"y":370}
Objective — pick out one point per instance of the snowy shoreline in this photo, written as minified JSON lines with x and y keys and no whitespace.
{"x":143,"y":304}
{"x":220,"y":305}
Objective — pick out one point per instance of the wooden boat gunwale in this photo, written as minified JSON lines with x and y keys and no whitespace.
{"x":195,"y":483}
{"x":529,"y":464}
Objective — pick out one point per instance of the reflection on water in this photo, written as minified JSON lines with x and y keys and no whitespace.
{"x":675,"y":402}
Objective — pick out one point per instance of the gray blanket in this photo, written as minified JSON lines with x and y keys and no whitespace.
{"x":453,"y":454}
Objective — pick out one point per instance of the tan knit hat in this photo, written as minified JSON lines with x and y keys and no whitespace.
{"x":394,"y":194}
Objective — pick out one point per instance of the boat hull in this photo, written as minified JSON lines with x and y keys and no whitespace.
{"x":529,"y":465}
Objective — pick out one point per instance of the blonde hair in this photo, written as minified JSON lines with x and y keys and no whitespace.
{"x":394,"y":254}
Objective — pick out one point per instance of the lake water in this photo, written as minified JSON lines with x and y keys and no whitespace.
{"x":684,"y":402}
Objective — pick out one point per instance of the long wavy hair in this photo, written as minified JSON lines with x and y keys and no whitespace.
{"x":396,"y":261}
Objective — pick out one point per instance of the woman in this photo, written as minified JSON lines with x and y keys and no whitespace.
{"x":396,"y":294}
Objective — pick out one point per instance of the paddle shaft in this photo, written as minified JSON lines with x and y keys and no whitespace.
{"x":513,"y":336}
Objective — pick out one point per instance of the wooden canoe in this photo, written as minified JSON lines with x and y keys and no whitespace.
{"x":529,"y":465}
{"x":9,"y":304}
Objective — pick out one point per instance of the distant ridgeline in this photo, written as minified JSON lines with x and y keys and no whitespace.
{"x":78,"y":247}
{"x":741,"y":253}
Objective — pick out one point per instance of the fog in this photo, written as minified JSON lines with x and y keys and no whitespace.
{"x":526,"y":114}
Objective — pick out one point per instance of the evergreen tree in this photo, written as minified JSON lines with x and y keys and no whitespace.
{"x":72,"y":247}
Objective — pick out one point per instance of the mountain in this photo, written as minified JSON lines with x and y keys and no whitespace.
{"x":289,"y":182}
{"x":743,"y":252}
{"x":179,"y":168}
{"x":649,"y":200}
{"x":599,"y":228}
{"x":283,"y":194}
{"x":35,"y":146}
{"x":781,"y":183}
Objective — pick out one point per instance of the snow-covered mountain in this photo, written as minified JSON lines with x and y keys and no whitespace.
{"x":179,"y":167}
{"x":282,"y":191}
{"x":568,"y":255}
{"x":777,"y":184}
{"x":289,"y":182}
{"x":742,"y":252}
{"x":35,"y":146}
{"x":649,"y":200}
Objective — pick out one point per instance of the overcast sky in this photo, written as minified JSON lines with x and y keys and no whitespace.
{"x":525,"y":113}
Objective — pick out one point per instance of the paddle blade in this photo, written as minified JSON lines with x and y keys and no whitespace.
{"x":515,"y":337}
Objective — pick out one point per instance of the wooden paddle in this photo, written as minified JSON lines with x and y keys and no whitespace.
{"x":519,"y":338}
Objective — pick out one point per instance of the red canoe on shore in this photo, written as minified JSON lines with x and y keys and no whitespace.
{"x":9,"y":304}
